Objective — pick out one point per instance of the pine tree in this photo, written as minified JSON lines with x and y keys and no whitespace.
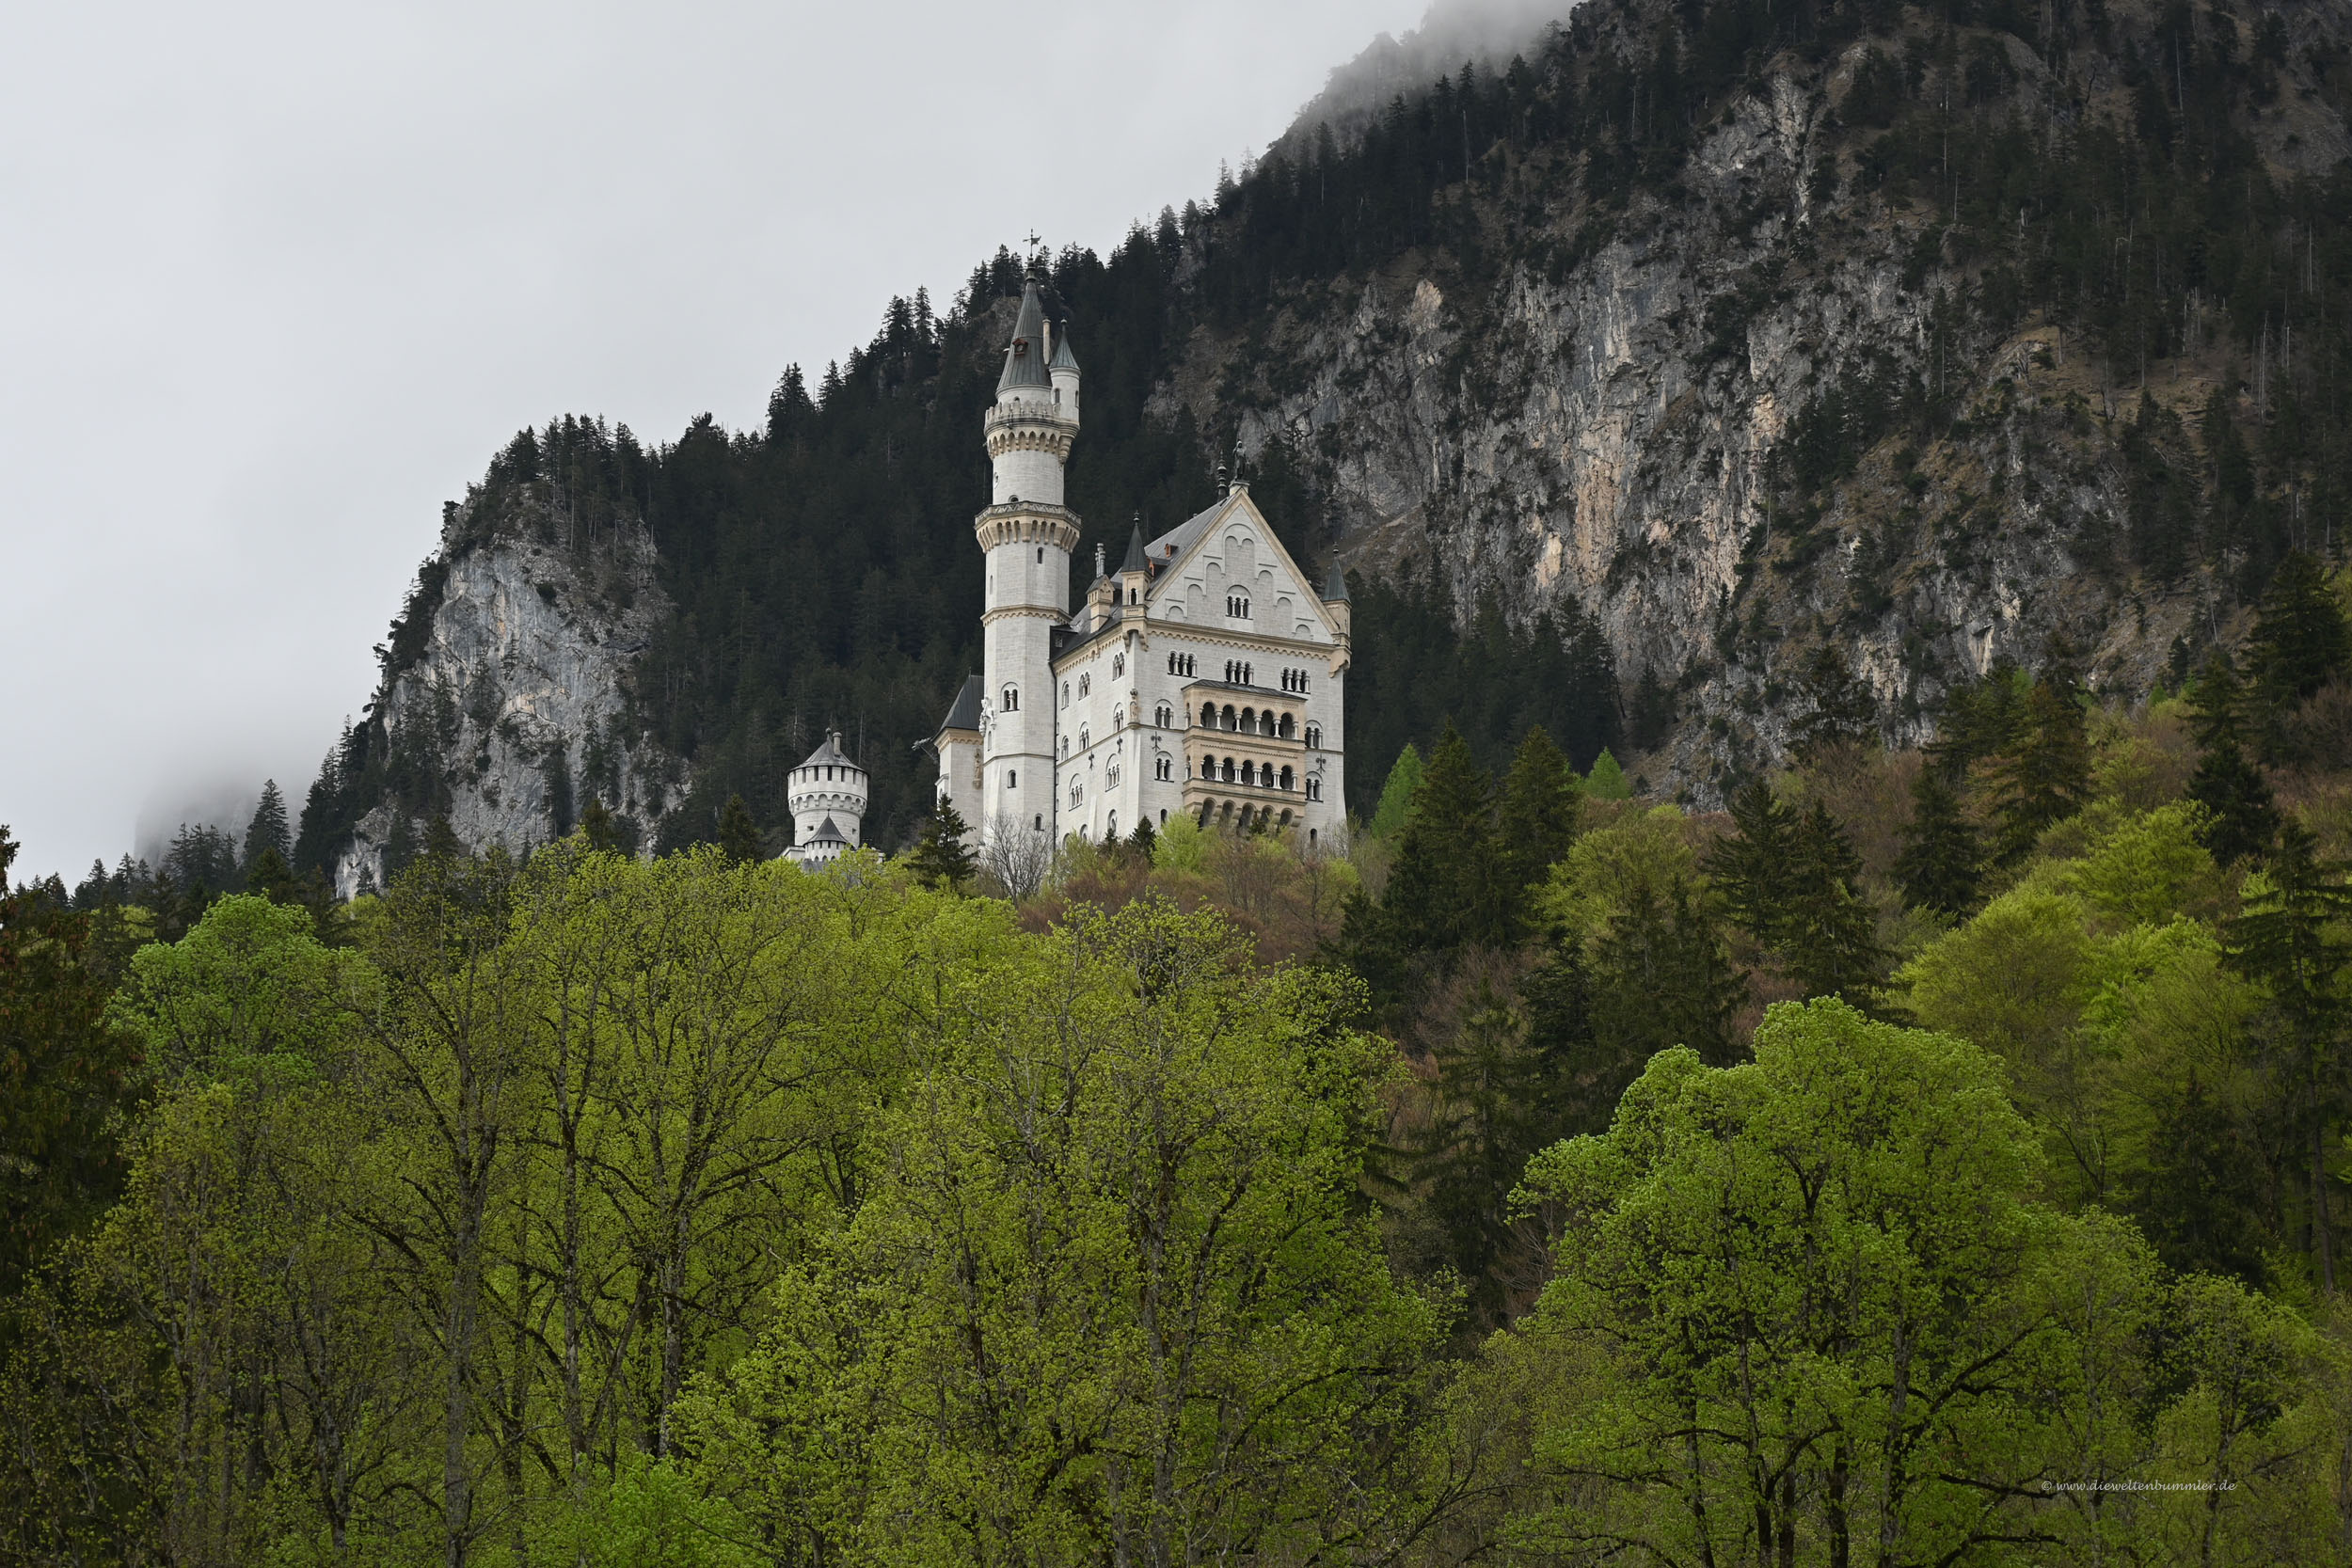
{"x":1144,"y":841}
{"x":738,"y":836}
{"x":1536,"y":821}
{"x":1660,"y":976}
{"x":941,"y":858}
{"x":1397,"y":795}
{"x":2241,"y":815}
{"x":271,"y":878}
{"x":269,"y":830}
{"x":1942,"y":862}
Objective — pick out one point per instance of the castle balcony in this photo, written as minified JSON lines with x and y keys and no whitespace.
{"x":1025,"y":424}
{"x":1025,"y":522}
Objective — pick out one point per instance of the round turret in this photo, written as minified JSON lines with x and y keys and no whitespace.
{"x":827,"y":795}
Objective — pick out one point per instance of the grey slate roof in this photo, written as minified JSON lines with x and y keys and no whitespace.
{"x":965,"y":713}
{"x":1063,"y":359}
{"x":1134,"y":551}
{"x":1335,"y":585}
{"x":827,"y":833}
{"x":1025,"y":356}
{"x":1183,"y":534}
{"x":829,"y":752}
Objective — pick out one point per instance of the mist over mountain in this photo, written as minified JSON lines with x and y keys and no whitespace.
{"x":1486,"y":33}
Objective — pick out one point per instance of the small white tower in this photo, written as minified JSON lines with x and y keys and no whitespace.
{"x":827,"y":797}
{"x":1026,"y":534}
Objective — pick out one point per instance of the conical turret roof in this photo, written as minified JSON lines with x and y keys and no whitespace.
{"x":1063,"y":359}
{"x":827,"y":833}
{"x":1134,"y":551}
{"x":829,"y":752}
{"x":1025,"y":356}
{"x":1335,"y":586}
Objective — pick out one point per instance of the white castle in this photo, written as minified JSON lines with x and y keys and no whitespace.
{"x":1203,"y":676}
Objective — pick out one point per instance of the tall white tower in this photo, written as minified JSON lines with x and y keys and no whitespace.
{"x":1026,"y":534}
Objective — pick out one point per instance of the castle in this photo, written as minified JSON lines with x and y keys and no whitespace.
{"x":1203,"y":676}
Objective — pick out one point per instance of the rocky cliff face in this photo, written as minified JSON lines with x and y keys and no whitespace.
{"x":516,"y":702}
{"x":1619,"y":428}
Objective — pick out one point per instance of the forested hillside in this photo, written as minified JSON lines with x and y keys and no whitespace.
{"x":1623,"y":380}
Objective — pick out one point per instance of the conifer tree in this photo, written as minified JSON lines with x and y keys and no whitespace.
{"x":2045,"y":777}
{"x":941,"y":858}
{"x":1397,"y":795}
{"x":1536,"y":821}
{"x":1828,"y":931}
{"x":1607,"y":781}
{"x":1660,"y":976}
{"x":271,"y":878}
{"x":2287,"y":938}
{"x":598,"y":827}
{"x":2300,"y":641}
{"x":1840,"y":708}
{"x":1751,"y":867}
{"x":738,"y":836}
{"x":269,"y":830}
{"x":2241,"y":817}
{"x":1942,"y":862}
{"x":1144,"y":841}
{"x":1446,"y":890}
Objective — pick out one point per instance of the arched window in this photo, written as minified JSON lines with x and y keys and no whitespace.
{"x":1118,"y":665}
{"x":1227,"y":771}
{"x":1013,"y":778}
{"x":1065,"y":693}
{"x":1286,"y":778}
{"x":1208,"y":768}
{"x":1315,"y":787}
{"x":1289,"y":727}
{"x":1086,"y":738}
{"x":1247,"y":674}
{"x":1040,"y":555}
{"x":1012,"y":699}
{"x":1314,"y":737}
{"x":1065,"y":748}
{"x":1166,"y":767}
{"x":1086,"y":684}
{"x":1228,"y":716}
{"x":1208,"y":716}
{"x":1250,"y":720}
{"x":1163,"y":715}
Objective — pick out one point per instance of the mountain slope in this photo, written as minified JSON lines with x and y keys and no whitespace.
{"x":1705,"y":339}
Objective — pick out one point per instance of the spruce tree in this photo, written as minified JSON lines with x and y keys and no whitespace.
{"x":2241,"y":815}
{"x":273,"y":879}
{"x":2300,"y":641}
{"x":738,"y":836}
{"x":1751,"y":866}
{"x":2287,"y":939}
{"x":1536,"y":821}
{"x":1445,"y":890}
{"x":1828,"y":933}
{"x":1841,"y":708}
{"x":1143,"y":841}
{"x":941,"y":858}
{"x":2045,"y":777}
{"x":1660,"y":976}
{"x":1942,"y":862}
{"x":268,"y":830}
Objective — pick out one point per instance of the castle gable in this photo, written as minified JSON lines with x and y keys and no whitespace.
{"x":1226,"y":559}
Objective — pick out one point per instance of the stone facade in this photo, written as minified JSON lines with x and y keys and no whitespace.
{"x":1205,"y":675}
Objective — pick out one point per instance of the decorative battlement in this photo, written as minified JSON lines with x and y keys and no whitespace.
{"x":1026,"y":523}
{"x":1024,"y":426}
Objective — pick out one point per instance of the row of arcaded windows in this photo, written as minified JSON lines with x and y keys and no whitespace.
{"x":1256,"y":774}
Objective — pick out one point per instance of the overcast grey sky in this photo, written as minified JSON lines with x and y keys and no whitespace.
{"x":276,"y":278}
